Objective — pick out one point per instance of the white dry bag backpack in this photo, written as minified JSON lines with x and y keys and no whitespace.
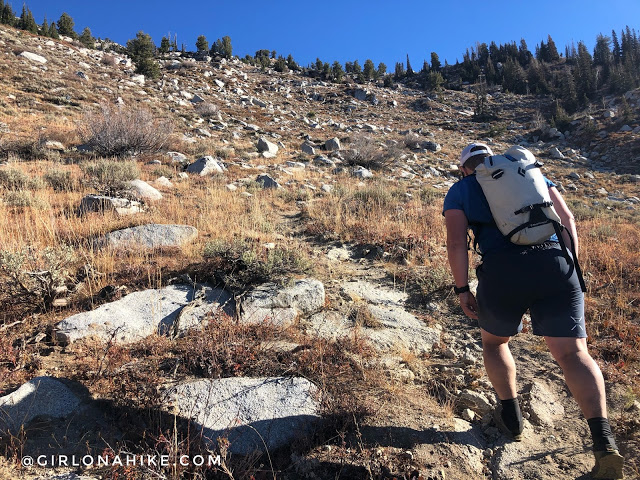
{"x":518,"y":196}
{"x":519,"y":200}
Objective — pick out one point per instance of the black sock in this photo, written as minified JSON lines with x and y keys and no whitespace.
{"x":511,"y":415}
{"x":601,"y":433}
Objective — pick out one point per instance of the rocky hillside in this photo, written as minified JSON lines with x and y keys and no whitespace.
{"x":268,"y":288}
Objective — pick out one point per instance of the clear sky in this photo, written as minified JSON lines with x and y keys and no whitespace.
{"x":384,"y":31}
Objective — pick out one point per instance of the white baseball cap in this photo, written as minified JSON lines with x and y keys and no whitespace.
{"x":472,"y":150}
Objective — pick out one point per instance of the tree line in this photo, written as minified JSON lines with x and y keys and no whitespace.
{"x":63,"y":27}
{"x":575,"y":77}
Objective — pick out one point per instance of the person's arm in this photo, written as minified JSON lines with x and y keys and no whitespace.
{"x":457,"y":224}
{"x":566,"y":217}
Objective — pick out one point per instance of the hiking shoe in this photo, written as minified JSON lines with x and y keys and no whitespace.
{"x":515,"y":435}
{"x":609,"y":464}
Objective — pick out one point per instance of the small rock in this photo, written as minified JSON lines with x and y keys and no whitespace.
{"x":267,"y":181}
{"x":332,"y":144}
{"x":265,"y":145}
{"x":206,"y":166}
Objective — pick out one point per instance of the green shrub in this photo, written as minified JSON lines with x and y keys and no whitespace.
{"x":35,"y":275}
{"x":13,"y":179}
{"x":24,"y":198}
{"x":246,"y":262}
{"x":110,"y":176}
{"x":60,"y":180}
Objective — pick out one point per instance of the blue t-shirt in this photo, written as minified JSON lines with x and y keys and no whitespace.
{"x":467,"y":195}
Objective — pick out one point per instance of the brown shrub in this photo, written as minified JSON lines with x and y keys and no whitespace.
{"x":119,"y":131}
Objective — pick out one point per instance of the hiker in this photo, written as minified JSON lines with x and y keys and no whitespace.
{"x":513,"y":278}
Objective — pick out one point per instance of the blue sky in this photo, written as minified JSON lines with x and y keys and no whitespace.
{"x":384,"y":31}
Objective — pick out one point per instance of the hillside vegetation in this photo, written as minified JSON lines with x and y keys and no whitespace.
{"x":334,"y":189}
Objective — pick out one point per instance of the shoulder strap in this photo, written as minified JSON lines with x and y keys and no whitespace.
{"x":558,"y":227}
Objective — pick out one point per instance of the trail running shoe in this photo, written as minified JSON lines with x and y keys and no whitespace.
{"x":515,"y":435}
{"x":609,"y":464}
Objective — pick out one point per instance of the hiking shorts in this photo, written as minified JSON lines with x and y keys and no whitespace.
{"x":536,"y":278}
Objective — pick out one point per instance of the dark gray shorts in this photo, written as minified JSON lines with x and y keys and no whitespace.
{"x":538,"y":279}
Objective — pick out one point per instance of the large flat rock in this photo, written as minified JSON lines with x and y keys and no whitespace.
{"x":149,"y":236}
{"x":39,"y":397}
{"x":283,"y":305}
{"x":141,"y":314}
{"x":252,"y":413}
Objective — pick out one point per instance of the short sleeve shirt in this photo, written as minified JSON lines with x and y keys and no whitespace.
{"x":467,"y":195}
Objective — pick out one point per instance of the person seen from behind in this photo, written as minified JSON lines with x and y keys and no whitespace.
{"x":513,"y":279}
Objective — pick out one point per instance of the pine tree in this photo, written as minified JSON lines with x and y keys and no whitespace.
{"x":87,"y":39}
{"x":281,"y":65}
{"x":382,"y":69}
{"x":141,"y":50}
{"x":524,"y":55}
{"x":223,"y":48}
{"x":616,"y":47}
{"x":44,"y":28}
{"x":27,"y":22}
{"x":357,"y":69}
{"x":337,"y":72}
{"x":202,"y":45}
{"x":425,"y":68}
{"x":514,"y":77}
{"x":291,"y":63}
{"x":399,"y":71}
{"x":568,"y":93}
{"x":435,"y":62}
{"x":8,"y":17}
{"x":602,"y":57}
{"x":584,"y":75}
{"x":409,"y":69}
{"x":165,"y":45}
{"x":65,"y":25}
{"x":369,"y":69}
{"x":554,"y":56}
{"x":53,"y":31}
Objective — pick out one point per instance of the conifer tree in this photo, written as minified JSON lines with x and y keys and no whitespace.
{"x":223,"y":48}
{"x":87,"y":39}
{"x":399,"y":71}
{"x":369,"y":69}
{"x":357,"y":69}
{"x":280,"y":65}
{"x":53,"y":31}
{"x":435,"y":62}
{"x":425,"y":68}
{"x":514,"y":77}
{"x":382,"y":69}
{"x":568,"y":93}
{"x":616,"y":47}
{"x":65,"y":25}
{"x":8,"y":17}
{"x":602,"y":57}
{"x":202,"y":45}
{"x":165,"y":45}
{"x":291,"y":63}
{"x":141,"y":50}
{"x":524,"y":55}
{"x":27,"y":22}
{"x":554,"y":56}
{"x":44,"y":28}
{"x":409,"y":69}
{"x":337,"y":72}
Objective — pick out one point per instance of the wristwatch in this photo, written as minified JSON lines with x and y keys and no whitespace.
{"x":461,"y":289}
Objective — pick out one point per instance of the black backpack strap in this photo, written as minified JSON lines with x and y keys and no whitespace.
{"x":572,"y":261}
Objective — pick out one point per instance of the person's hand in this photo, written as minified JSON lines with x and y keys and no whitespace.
{"x":469,"y":305}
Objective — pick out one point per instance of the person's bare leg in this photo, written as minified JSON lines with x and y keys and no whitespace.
{"x":582,"y":374}
{"x":584,"y":379}
{"x":499,"y":364}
